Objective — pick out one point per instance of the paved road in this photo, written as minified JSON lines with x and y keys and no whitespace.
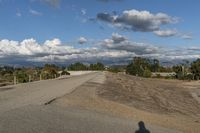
{"x":56,"y":119}
{"x":23,"y":110}
{"x":38,"y":93}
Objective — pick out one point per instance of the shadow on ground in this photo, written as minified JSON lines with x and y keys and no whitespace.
{"x":142,"y":128}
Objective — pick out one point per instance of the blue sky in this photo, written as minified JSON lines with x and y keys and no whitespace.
{"x":157,"y":29}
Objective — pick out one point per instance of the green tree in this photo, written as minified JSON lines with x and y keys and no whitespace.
{"x":195,"y":68}
{"x":49,"y":71}
{"x":134,"y":69}
{"x":147,"y":73}
{"x":77,"y":66}
{"x":97,"y":66}
{"x":21,"y":75}
{"x":138,"y":66}
{"x":179,"y":70}
{"x":155,"y":67}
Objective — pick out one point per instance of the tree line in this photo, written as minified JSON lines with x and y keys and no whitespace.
{"x":80,"y":66}
{"x":139,"y":67}
{"x":145,"y":67}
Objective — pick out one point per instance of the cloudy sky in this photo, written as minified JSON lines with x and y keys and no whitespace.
{"x":109,"y":31}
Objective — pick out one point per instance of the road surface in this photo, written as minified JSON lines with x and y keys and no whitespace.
{"x":39,"y":93}
{"x":27,"y":108}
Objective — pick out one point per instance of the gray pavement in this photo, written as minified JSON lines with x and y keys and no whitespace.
{"x":39,"y":93}
{"x":56,"y":119}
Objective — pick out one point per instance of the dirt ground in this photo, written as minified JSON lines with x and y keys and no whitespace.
{"x":165,"y":103}
{"x":153,"y":95}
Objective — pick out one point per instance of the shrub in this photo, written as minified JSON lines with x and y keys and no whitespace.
{"x":147,"y":73}
{"x":65,"y":73}
{"x":189,"y":77}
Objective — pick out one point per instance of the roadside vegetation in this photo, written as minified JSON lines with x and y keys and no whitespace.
{"x":10,"y":75}
{"x":152,"y":68}
{"x":143,"y":67}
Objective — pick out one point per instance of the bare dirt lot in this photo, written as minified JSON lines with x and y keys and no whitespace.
{"x":163,"y":103}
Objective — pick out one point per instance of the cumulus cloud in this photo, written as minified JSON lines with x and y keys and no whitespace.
{"x":82,"y":40}
{"x":31,"y":48}
{"x":144,"y":20}
{"x":166,"y":33}
{"x":137,"y":20}
{"x":117,"y":49}
{"x":121,"y":43}
{"x":117,"y":38}
{"x":149,"y":50}
{"x":52,"y":43}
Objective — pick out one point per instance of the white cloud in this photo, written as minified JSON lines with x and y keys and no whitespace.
{"x":53,"y":43}
{"x":31,"y":48}
{"x":166,"y":33}
{"x":143,"y":21}
{"x":138,"y":20}
{"x":121,"y":43}
{"x":82,"y":40}
{"x":115,"y":50}
{"x":187,"y":36}
{"x":117,"y":38}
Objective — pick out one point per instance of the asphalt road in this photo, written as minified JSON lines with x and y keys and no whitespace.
{"x":56,"y":119}
{"x":23,"y":109}
{"x":39,"y":93}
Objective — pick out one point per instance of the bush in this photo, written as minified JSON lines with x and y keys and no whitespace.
{"x":147,"y":73}
{"x":133,"y":69}
{"x":65,"y":73}
{"x":180,"y":76}
{"x":189,"y":77}
{"x":22,"y":77}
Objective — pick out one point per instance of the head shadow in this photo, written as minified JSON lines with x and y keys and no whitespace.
{"x":142,"y":128}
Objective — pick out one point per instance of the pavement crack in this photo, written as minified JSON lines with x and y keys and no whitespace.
{"x":49,"y":102}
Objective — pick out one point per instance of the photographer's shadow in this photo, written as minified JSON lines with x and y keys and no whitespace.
{"x":142,"y":128}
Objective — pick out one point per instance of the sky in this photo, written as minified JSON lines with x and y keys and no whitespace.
{"x":89,"y":31}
